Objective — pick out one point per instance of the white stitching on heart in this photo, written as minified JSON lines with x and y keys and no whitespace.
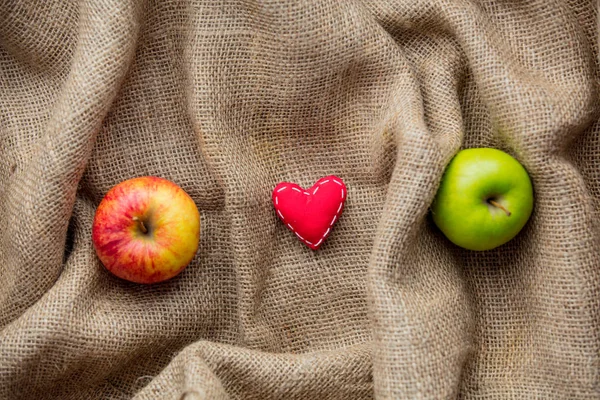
{"x":307,"y":193}
{"x":301,"y":238}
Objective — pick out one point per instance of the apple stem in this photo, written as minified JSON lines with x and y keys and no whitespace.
{"x":500,"y":206}
{"x":142,"y":226}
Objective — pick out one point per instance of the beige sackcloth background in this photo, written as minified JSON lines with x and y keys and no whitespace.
{"x":229,"y":97}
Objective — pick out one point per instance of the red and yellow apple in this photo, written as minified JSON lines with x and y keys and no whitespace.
{"x":146,"y":230}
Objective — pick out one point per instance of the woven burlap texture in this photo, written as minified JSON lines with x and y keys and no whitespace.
{"x":229,"y":97}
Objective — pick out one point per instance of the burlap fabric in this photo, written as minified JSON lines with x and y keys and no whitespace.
{"x":229,"y":97}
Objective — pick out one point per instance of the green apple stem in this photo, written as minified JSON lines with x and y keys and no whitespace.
{"x":500,"y":206}
{"x":141,"y":223}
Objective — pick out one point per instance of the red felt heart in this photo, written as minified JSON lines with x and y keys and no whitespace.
{"x":311,"y":213}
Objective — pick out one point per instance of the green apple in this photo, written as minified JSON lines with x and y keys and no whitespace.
{"x":484,"y":199}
